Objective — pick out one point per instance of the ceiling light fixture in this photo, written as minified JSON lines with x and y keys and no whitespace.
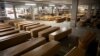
{"x":33,"y":4}
{"x":51,"y":5}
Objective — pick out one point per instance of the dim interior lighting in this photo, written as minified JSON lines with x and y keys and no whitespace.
{"x":82,"y":9}
{"x":31,"y":4}
{"x":64,"y":28}
{"x":51,"y":5}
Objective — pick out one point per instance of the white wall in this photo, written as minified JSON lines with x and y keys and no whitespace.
{"x":9,"y":8}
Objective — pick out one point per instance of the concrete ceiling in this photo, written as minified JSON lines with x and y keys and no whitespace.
{"x":83,"y":2}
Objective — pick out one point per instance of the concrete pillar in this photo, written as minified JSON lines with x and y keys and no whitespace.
{"x":69,"y":7}
{"x":57,"y":10}
{"x":89,"y":11}
{"x":52,"y":9}
{"x":95,"y":10}
{"x":38,"y":9}
{"x":2,"y":9}
{"x":74,"y":12}
{"x":32,"y":12}
{"x":14,"y":9}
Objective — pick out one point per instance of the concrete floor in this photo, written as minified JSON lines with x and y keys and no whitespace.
{"x":53,"y":23}
{"x":77,"y":32}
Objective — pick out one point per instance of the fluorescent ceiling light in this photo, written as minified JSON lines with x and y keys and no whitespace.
{"x":33,"y":4}
{"x":51,"y":5}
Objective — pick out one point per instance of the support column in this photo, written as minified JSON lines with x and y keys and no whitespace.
{"x":14,"y":9}
{"x":69,"y":7}
{"x":52,"y":9}
{"x":33,"y":12}
{"x":89,"y":11}
{"x":2,"y":9}
{"x":57,"y":10}
{"x":95,"y":10}
{"x":74,"y":12}
{"x":38,"y":9}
